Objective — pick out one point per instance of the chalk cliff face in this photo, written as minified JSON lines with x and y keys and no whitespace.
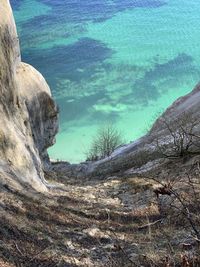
{"x":29,"y":116}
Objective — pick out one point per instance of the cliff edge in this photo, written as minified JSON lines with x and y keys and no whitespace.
{"x":29,"y":116}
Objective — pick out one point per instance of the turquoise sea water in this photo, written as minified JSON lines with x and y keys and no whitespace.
{"x":110,"y":61}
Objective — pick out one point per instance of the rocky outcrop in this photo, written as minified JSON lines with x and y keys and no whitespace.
{"x":29,"y":116}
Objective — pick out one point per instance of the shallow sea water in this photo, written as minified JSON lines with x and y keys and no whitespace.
{"x":110,"y":61}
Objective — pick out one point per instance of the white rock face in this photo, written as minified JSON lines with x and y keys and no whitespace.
{"x":29,"y":116}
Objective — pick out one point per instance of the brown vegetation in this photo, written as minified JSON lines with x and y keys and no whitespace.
{"x":163,"y":190}
{"x":180,"y":136}
{"x":112,"y":223}
{"x":106,"y":140}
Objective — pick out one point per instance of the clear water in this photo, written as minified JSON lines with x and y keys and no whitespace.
{"x":110,"y":61}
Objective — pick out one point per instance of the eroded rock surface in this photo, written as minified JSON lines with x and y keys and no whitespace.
{"x":28,"y":121}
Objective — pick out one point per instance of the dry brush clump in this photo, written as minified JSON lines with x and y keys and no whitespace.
{"x":179,"y":199}
{"x":106,"y":140}
{"x":179,"y":137}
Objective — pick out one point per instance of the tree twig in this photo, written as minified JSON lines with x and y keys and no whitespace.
{"x":18,"y":249}
{"x":148,"y":224}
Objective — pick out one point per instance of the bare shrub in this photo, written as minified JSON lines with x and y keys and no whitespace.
{"x":107,"y":139}
{"x":184,"y":199}
{"x":179,"y":136}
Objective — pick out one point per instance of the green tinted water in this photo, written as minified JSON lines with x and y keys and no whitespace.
{"x":141,"y":61}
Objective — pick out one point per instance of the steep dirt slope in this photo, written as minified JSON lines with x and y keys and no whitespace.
{"x":114,"y":222}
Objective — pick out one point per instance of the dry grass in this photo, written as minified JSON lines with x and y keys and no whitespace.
{"x":108,"y":223}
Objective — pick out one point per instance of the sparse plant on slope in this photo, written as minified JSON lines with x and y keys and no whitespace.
{"x":107,"y":139}
{"x":183,"y":199}
{"x":180,"y":137}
